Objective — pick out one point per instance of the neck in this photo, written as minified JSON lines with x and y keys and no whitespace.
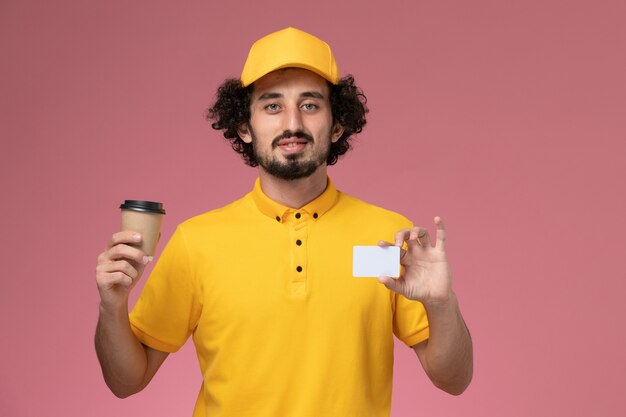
{"x":294,"y":193}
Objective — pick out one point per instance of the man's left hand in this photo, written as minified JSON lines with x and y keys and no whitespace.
{"x":426,"y":277}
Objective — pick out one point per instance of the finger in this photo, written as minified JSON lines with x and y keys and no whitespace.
{"x":418,"y":237}
{"x":385,"y":244}
{"x":130,"y":253}
{"x":441,"y":233}
{"x":401,"y":236}
{"x":392,"y":284}
{"x":118,"y":266}
{"x":125,"y":236}
{"x":111,"y":279}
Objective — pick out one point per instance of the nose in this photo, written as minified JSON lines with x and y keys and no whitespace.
{"x":293,"y":119}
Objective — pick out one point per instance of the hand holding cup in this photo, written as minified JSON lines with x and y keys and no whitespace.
{"x":123,"y":260}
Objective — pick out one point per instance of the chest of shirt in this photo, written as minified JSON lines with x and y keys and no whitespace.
{"x":289,"y":274}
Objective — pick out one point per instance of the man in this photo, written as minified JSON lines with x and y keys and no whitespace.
{"x":264,"y":284}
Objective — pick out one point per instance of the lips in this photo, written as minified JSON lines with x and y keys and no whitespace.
{"x":292,"y":141}
{"x":293,"y":144}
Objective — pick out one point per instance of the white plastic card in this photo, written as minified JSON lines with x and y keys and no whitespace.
{"x":375,"y":261}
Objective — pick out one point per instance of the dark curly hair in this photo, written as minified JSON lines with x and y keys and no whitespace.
{"x":232,"y":109}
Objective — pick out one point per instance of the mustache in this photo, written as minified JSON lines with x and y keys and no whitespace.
{"x":289,"y":134}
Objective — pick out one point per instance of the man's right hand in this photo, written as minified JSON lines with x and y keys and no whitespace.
{"x":119,"y":268}
{"x":127,"y":365}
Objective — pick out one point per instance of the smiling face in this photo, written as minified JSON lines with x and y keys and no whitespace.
{"x":291,"y":125}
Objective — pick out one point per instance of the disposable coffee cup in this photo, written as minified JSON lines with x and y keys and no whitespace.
{"x":146,"y":218}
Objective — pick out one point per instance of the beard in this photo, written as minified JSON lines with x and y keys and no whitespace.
{"x":294,"y":167}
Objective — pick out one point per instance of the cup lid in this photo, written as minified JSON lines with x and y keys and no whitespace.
{"x":142,"y":205}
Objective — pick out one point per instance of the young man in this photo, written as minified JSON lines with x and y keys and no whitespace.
{"x":264,"y":285}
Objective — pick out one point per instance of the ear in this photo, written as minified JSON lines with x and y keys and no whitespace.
{"x":336,"y":132}
{"x":244,"y":133}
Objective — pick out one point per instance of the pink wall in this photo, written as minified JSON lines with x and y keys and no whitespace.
{"x":507,"y":118}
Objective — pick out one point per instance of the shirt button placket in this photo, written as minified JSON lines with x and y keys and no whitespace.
{"x":298,"y":281}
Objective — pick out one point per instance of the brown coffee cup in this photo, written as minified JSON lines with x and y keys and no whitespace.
{"x":146,"y":218}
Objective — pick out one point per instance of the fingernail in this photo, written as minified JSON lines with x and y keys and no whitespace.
{"x":137,"y":236}
{"x":145,"y":260}
{"x":150,"y":258}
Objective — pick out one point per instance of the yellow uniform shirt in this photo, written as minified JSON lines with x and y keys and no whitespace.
{"x":280,"y":326}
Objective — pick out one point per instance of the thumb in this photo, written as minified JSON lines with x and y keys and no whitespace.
{"x":391,"y":283}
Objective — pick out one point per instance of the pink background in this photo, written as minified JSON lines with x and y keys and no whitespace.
{"x":507,"y":118}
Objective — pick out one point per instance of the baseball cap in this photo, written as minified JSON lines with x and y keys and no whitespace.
{"x":289,"y":47}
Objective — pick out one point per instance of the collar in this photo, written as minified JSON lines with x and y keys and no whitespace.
{"x":315,"y":209}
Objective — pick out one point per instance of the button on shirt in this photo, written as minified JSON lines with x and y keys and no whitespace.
{"x":280,"y":325}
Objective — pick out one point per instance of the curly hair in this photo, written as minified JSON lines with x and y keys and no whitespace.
{"x":232,"y":109}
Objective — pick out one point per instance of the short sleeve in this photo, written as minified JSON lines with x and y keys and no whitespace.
{"x":410,"y":323}
{"x":169,"y":306}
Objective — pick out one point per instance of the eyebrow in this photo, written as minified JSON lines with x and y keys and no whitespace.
{"x":311,"y":94}
{"x":268,"y":96}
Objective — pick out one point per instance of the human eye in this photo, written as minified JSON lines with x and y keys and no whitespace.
{"x":272,"y":107}
{"x":310,"y":106}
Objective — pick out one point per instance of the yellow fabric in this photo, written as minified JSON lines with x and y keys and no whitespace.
{"x":272,"y":341}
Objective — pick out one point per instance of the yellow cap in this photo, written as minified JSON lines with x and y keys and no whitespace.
{"x":286,"y":48}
